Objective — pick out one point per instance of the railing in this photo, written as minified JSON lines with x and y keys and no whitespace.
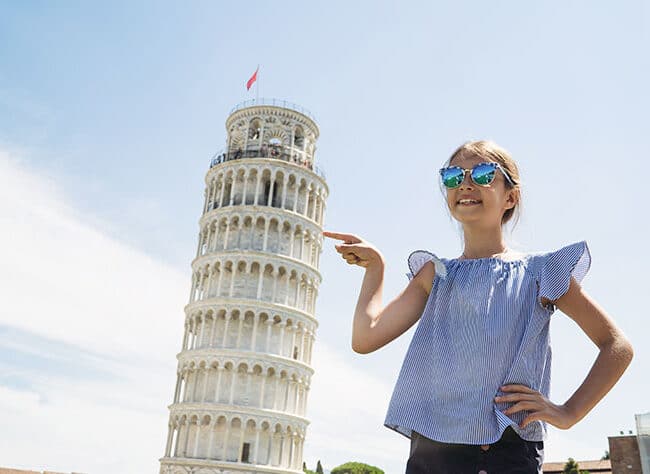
{"x":270,"y":152}
{"x":275,"y":103}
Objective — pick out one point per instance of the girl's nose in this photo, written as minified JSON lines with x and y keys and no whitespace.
{"x":467,"y":181}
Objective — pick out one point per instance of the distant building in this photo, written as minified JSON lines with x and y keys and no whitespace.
{"x":629,"y":454}
{"x":594,"y":467}
{"x":624,"y":454}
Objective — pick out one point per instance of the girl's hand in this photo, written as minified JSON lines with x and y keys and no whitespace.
{"x":355,"y":250}
{"x":540,"y":407}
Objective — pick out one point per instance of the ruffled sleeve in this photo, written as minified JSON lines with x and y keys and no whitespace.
{"x":558,"y":267}
{"x":417,"y":260}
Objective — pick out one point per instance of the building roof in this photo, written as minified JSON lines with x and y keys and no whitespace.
{"x":602,"y":467}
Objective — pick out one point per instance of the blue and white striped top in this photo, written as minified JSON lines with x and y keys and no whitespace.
{"x":483,"y":326}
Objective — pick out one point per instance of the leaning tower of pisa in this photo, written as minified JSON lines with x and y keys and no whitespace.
{"x":244,"y":367}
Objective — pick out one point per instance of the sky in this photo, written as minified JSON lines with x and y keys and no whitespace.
{"x":110,"y":113}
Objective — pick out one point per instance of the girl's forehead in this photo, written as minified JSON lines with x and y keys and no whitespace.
{"x":467,"y":160}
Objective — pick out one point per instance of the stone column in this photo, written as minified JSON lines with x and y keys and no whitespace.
{"x":239,"y":330}
{"x":232,"y":189}
{"x":225,"y":442}
{"x":246,"y":175}
{"x":267,"y":224}
{"x":241,"y":443}
{"x":313,"y":210}
{"x":205,"y":384}
{"x":282,"y":325}
{"x":170,"y":435}
{"x":274,"y":276}
{"x":201,"y":330}
{"x":285,"y":182}
{"x":212,"y":427}
{"x":226,"y":235}
{"x":254,"y":336}
{"x":256,"y":445}
{"x":220,"y":278}
{"x":257,"y":188}
{"x":222,"y":190}
{"x":233,"y":381}
{"x":220,"y":370}
{"x":271,"y":188}
{"x":232,"y":280}
{"x":276,"y":395}
{"x":295,"y":196}
{"x":261,"y":400}
{"x":227,"y":317}
{"x":213,"y":329}
{"x":196,"y":439}
{"x":269,"y":324}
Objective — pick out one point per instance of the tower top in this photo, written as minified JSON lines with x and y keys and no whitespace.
{"x":273,"y":129}
{"x":273,"y":103}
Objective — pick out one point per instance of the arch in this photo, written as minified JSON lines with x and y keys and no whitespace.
{"x":298,"y":137}
{"x":254,"y":130}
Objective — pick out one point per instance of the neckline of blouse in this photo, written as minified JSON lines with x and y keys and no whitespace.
{"x":515,"y":257}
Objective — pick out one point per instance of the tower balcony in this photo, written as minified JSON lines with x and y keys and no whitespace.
{"x":289,"y":154}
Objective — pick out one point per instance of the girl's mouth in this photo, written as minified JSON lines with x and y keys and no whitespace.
{"x":468,"y":202}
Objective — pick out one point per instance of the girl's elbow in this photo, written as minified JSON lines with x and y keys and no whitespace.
{"x":361,"y":348}
{"x":623,"y":349}
{"x":626,"y":348}
{"x":629,"y":351}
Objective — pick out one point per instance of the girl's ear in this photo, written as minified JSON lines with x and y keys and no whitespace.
{"x":512,"y":198}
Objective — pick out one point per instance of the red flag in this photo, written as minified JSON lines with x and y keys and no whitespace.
{"x":252,"y":79}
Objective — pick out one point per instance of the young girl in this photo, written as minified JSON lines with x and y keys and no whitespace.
{"x":472,"y":394}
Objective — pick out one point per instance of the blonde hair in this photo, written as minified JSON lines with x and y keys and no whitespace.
{"x":490,"y":151}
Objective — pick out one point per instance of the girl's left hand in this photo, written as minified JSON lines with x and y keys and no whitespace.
{"x":540,"y":407}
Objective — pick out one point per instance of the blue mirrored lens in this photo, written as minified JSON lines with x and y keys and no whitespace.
{"x":452,"y":176}
{"x":483,"y":173}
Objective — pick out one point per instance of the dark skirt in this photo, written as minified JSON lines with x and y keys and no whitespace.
{"x":510,"y":455}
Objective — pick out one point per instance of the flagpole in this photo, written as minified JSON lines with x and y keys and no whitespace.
{"x":257,"y":85}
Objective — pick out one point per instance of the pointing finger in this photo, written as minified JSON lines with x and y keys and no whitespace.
{"x":347,"y":238}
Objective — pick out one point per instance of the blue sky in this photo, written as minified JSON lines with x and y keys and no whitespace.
{"x":110,"y":112}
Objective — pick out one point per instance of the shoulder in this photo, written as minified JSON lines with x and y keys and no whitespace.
{"x":424,"y":267}
{"x":425,"y":276}
{"x":557,"y":268}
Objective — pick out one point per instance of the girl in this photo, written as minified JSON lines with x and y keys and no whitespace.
{"x":472,"y":394}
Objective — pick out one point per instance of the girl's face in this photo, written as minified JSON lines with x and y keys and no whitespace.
{"x":470,"y":203}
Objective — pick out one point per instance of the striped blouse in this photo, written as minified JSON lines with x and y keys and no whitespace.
{"x":483,"y":326}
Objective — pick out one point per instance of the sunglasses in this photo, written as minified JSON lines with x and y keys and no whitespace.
{"x":482,"y":174}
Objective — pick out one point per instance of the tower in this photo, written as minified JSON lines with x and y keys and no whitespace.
{"x":244,"y":367}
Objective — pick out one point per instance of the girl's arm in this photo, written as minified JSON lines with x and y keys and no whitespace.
{"x":615,"y":350}
{"x":374,"y":326}
{"x":615,"y":355}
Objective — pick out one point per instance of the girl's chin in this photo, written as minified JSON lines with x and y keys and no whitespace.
{"x":469,"y":218}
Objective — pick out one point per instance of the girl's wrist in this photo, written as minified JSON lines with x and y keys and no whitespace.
{"x":571,"y":416}
{"x":376,"y":263}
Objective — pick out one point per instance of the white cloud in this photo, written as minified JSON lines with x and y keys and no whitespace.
{"x":63,"y":279}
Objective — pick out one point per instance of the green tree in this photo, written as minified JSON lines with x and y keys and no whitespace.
{"x":356,"y":468}
{"x":305,"y":470}
{"x":606,"y":456}
{"x":319,"y":468}
{"x":571,"y":467}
